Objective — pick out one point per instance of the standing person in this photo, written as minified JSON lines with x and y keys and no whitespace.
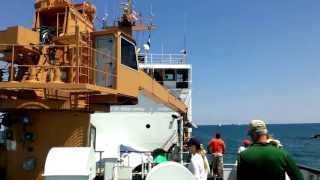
{"x":199,"y":165}
{"x":245,"y":144}
{"x":217,"y":147}
{"x":264,"y":161}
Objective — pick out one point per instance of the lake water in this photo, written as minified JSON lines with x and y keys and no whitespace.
{"x":296,"y":139}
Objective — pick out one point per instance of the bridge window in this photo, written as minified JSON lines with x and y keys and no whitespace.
{"x":170,"y":75}
{"x":182,"y":78}
{"x":128,"y":54}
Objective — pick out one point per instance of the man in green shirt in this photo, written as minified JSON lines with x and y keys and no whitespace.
{"x":159,"y":156}
{"x":264,"y":161}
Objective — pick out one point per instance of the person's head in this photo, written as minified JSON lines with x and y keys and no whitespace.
{"x":218,"y":135}
{"x":258,"y":129}
{"x":158,"y":151}
{"x":194,"y":145}
{"x":246,"y":143}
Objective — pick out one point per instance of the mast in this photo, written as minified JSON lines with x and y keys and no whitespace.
{"x":131,"y":21}
{"x":130,"y":5}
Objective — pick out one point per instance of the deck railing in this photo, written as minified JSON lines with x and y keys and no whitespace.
{"x":57,"y":64}
{"x":309,"y":173}
{"x":162,"y":58}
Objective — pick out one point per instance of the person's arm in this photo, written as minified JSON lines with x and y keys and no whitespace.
{"x":209,"y":147}
{"x":292,"y":169}
{"x":223,"y":148}
{"x":195,"y":170}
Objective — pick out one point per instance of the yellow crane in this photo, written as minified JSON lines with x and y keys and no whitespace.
{"x":57,"y":73}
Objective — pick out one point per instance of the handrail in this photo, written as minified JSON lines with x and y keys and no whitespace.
{"x":173,"y":135}
{"x":56,"y":45}
{"x":146,"y":165}
{"x":56,"y":65}
{"x":156,"y":90}
{"x":164,"y":54}
{"x":162,"y":58}
{"x":310,"y":169}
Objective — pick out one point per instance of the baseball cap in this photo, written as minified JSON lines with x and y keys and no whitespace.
{"x":257,"y":126}
{"x":246,"y":142}
{"x":195,"y":142}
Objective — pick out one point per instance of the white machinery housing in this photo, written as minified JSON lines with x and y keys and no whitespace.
{"x":76,"y":163}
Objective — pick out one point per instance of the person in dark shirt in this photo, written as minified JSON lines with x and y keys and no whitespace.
{"x":264,"y":161}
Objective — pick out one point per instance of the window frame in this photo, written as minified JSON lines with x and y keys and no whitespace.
{"x":135,"y":52}
{"x":93,"y":130}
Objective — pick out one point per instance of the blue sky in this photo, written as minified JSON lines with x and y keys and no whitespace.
{"x":251,"y":59}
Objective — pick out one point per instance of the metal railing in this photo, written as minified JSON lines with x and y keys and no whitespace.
{"x":56,"y":63}
{"x":309,"y":173}
{"x":146,"y":165}
{"x":162,"y":58}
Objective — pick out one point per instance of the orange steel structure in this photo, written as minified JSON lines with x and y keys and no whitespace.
{"x":56,"y":76}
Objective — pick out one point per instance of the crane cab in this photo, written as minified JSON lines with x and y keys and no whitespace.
{"x":121,"y":47}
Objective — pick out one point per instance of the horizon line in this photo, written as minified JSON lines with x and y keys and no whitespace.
{"x":241,"y":124}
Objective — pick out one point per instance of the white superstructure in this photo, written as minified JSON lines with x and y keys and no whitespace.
{"x":149,"y":125}
{"x":173,"y":71}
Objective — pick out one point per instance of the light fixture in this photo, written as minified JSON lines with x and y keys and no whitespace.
{"x":175,"y":115}
{"x":29,"y":164}
{"x":146,"y":47}
{"x":189,"y":125}
{"x":24,"y":119}
{"x":29,"y":136}
{"x":1,"y":55}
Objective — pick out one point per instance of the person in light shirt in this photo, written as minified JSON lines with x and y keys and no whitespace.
{"x":245,"y":144}
{"x":199,"y":165}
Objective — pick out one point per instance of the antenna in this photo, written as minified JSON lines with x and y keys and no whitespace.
{"x":184,"y":51}
{"x":130,"y":5}
{"x":147,"y":45}
{"x":151,"y":11}
{"x":162,"y":48}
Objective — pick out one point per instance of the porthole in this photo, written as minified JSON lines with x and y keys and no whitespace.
{"x":148,"y":126}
